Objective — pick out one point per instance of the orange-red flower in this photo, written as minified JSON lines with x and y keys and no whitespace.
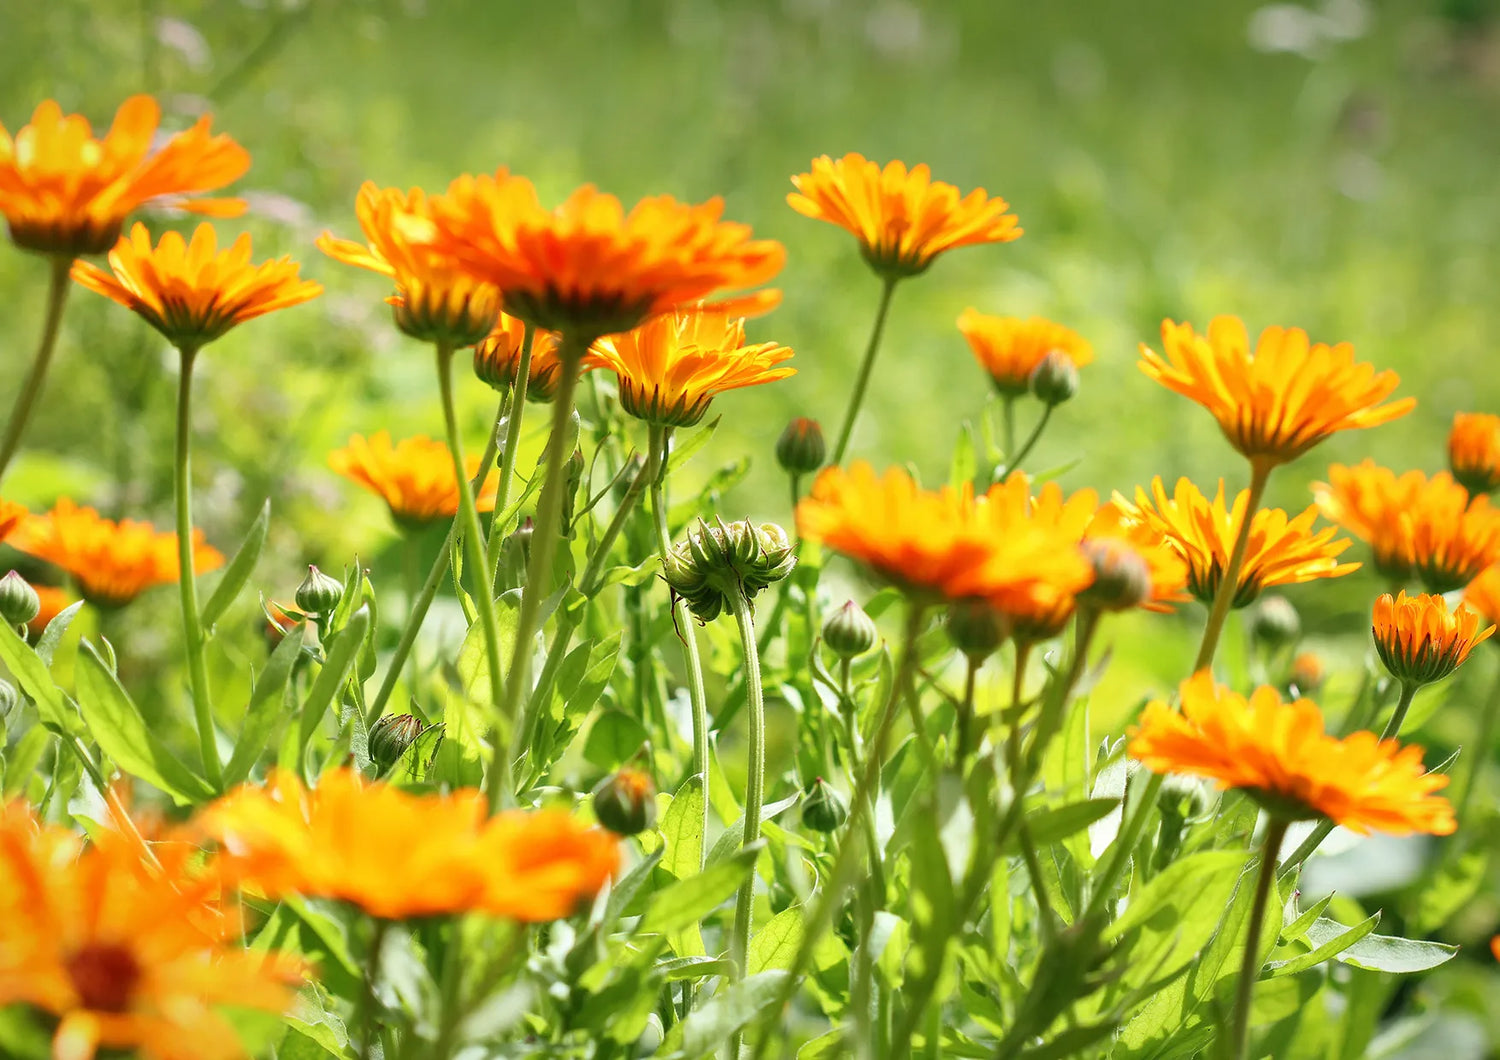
{"x":1420,"y":640}
{"x":64,"y":192}
{"x":127,"y":956}
{"x":1281,"y":400}
{"x":1474,"y":451}
{"x":672,"y":366}
{"x":414,"y":476}
{"x":497,"y":360}
{"x":902,"y":218}
{"x":1281,"y":550}
{"x":112,"y":563}
{"x":192,"y":292}
{"x":589,"y":268}
{"x":337,"y":841}
{"x":435,"y":300}
{"x":1279,"y":754}
{"x":1009,"y":348}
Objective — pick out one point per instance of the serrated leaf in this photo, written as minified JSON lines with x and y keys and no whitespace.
{"x":238,"y":572}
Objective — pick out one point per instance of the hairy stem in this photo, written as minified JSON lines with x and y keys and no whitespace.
{"x":862,"y":380}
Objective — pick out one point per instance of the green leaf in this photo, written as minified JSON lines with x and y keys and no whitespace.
{"x":336,"y":668}
{"x":1337,"y":939}
{"x":614,"y":738}
{"x":824,"y":1046}
{"x":774,"y":946}
{"x":729,"y":1011}
{"x":46,"y":645}
{"x":691,"y":900}
{"x":1058,"y":822}
{"x":31,"y":673}
{"x":730,"y":839}
{"x":266,"y":700}
{"x":627,"y":887}
{"x":238,"y":572}
{"x":682,"y":828}
{"x":684,"y":451}
{"x":1295,"y":930}
{"x":963,"y":465}
{"x":1177,"y":881}
{"x":1070,"y":1043}
{"x":23,"y":760}
{"x":118,"y":727}
{"x":1383,"y":953}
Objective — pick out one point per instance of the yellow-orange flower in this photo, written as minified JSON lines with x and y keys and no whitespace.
{"x":1420,"y":640}
{"x":1281,"y":400}
{"x":1483,"y":594}
{"x":1474,"y":451}
{"x":671,"y":367}
{"x":1009,"y":348}
{"x":1281,"y":550}
{"x":945,"y":544}
{"x":1279,"y":754}
{"x":414,"y":476}
{"x":435,"y":300}
{"x":64,"y":192}
{"x":11,"y":516}
{"x":192,"y":292}
{"x":112,"y":563}
{"x":337,"y":840}
{"x":589,"y":268}
{"x":498,"y":359}
{"x":902,"y":218}
{"x":125,"y":955}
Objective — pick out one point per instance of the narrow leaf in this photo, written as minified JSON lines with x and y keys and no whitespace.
{"x":265,"y":706}
{"x":31,"y":672}
{"x":239,"y":570}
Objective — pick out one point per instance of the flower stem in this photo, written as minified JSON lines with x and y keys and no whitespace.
{"x":187,"y":578}
{"x":755,"y":781}
{"x":1036,"y":433}
{"x":1398,"y":716}
{"x":1008,"y":425}
{"x":1260,"y":473}
{"x":367,"y":997}
{"x":513,"y":415}
{"x":966,"y":711}
{"x":861,"y":381}
{"x":1250,"y":967}
{"x":57,"y":296}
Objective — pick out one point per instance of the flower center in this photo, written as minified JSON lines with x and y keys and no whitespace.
{"x":105,"y":976}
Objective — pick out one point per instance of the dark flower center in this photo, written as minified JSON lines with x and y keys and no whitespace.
{"x":105,"y":976}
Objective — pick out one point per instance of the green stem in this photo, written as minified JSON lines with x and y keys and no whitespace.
{"x":1398,"y":716}
{"x":1481,"y":754}
{"x":1229,"y":584}
{"x":57,"y":296}
{"x":513,"y":415}
{"x":1250,"y":967}
{"x":966,"y":711}
{"x":187,"y":578}
{"x":1008,"y":424}
{"x":367,"y":996}
{"x":1036,"y":432}
{"x":862,"y":380}
{"x":755,"y":781}
{"x":411,"y":559}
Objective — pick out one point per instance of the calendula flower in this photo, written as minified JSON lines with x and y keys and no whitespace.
{"x":126,"y":956}
{"x":1483,"y":594}
{"x":112,"y":563}
{"x":53,"y":600}
{"x":1009,"y":348}
{"x":1278,"y":754}
{"x":497,"y":359}
{"x":414,"y":476}
{"x":941,"y":545}
{"x":902,"y":218}
{"x":64,"y":192}
{"x":589,"y":268}
{"x":1280,"y":551}
{"x":192,"y":292}
{"x":435,"y":300}
{"x":337,"y":840}
{"x":1281,"y":400}
{"x":11,"y":516}
{"x":1308,"y":672}
{"x":1419,"y":640}
{"x":1474,"y":451}
{"x":671,"y":367}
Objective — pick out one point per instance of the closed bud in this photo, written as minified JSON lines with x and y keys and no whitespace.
{"x":715,"y":563}
{"x":391,"y":736}
{"x":975,"y":628}
{"x":319,"y":594}
{"x":1122,"y":579}
{"x":823,"y":809}
{"x":574,"y":470}
{"x":1054,"y":379}
{"x":800,"y":449}
{"x":849,"y":631}
{"x":625,"y":803}
{"x":9,"y":697}
{"x":1274,"y":622}
{"x":19,"y":603}
{"x":1308,"y":673}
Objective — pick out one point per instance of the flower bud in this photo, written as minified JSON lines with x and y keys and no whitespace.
{"x":1054,"y":379}
{"x":9,"y":697}
{"x":626,"y":802}
{"x":574,"y":470}
{"x":319,"y":594}
{"x":1308,"y":673}
{"x":800,"y":449}
{"x":849,"y":631}
{"x":1122,"y":579}
{"x":391,"y":736}
{"x":1274,"y":622}
{"x":823,"y":809}
{"x":19,"y":603}
{"x":975,"y":628}
{"x":718,"y":562}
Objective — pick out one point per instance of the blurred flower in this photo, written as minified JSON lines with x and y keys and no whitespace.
{"x":1474,"y":451}
{"x":1274,"y":623}
{"x":589,"y":268}
{"x":1419,"y":640}
{"x":192,"y":292}
{"x":1009,"y":348}
{"x":672,"y":366}
{"x":414,"y":477}
{"x":1279,"y":755}
{"x":129,"y":957}
{"x":1483,"y":594}
{"x":11,"y":516}
{"x":112,"y":563}
{"x":526,"y":865}
{"x":625,"y":802}
{"x":435,"y":300}
{"x":1281,"y":551}
{"x":902,"y":218}
{"x":1279,"y":402}
{"x":54,"y":601}
{"x":498,"y":358}
{"x":64,"y":192}
{"x":1308,"y":672}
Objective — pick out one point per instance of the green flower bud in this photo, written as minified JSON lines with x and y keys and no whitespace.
{"x":626,"y":802}
{"x":19,"y":603}
{"x":574,"y":470}
{"x":1122,"y":579}
{"x":823,"y":809}
{"x":1274,"y":622}
{"x":319,"y":594}
{"x":800,"y":449}
{"x":717,"y":562}
{"x":1054,"y":379}
{"x":849,"y":631}
{"x":391,"y":736}
{"x":975,"y":628}
{"x":9,"y":697}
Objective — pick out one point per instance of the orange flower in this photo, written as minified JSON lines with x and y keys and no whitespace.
{"x":902,"y":218}
{"x":1281,"y":551}
{"x":1279,"y":755}
{"x":1279,"y":402}
{"x":125,"y":955}
{"x":1419,"y":640}
{"x":588,"y":268}
{"x":11,"y":516}
{"x":191,"y":292}
{"x":671,"y":367}
{"x":1009,"y":348}
{"x":337,"y":840}
{"x":1483,"y":594}
{"x":64,"y":192}
{"x":435,"y":301}
{"x":1308,"y":672}
{"x":498,"y":357}
{"x":53,"y":600}
{"x":414,"y":477}
{"x":112,"y":563}
{"x":942,"y":545}
{"x":1474,"y":451}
